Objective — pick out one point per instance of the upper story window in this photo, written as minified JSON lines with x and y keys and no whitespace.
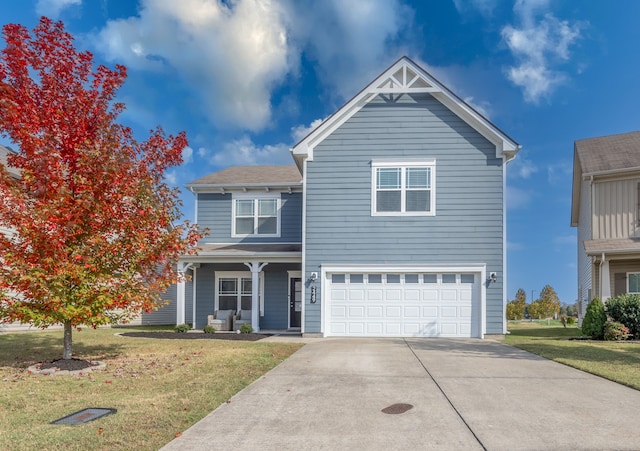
{"x":256,"y":216}
{"x":403,"y":188}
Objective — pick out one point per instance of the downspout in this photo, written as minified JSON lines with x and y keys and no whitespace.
{"x":601,"y":278}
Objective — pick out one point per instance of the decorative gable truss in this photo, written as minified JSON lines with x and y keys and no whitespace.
{"x":406,"y":77}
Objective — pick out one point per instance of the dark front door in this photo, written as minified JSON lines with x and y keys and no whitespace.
{"x":295,"y":302}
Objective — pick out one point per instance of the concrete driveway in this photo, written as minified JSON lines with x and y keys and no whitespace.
{"x":466,"y":395}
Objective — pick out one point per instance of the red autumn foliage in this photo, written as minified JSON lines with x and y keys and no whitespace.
{"x":95,"y":237}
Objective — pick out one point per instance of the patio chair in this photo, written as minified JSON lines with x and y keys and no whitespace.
{"x":243,"y":317}
{"x":221,"y":319}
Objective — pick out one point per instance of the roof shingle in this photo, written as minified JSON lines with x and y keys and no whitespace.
{"x":252,"y":175}
{"x":608,"y":153}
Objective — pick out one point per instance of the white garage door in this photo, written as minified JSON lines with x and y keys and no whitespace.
{"x":402,"y":304}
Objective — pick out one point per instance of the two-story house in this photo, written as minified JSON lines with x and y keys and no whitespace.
{"x":391,"y":222}
{"x":606,"y":210}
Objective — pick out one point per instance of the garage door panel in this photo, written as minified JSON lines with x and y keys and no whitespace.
{"x":414,"y":305}
{"x":393,"y":311}
{"x":430,"y":312}
{"x":412,"y":312}
{"x":448,"y":295}
{"x":338,"y":312}
{"x":412,"y":295}
{"x":338,"y":295}
{"x":393,"y":295}
{"x":448,"y":312}
{"x":430,"y":295}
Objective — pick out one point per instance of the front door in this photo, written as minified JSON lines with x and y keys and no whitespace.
{"x":295,"y":302}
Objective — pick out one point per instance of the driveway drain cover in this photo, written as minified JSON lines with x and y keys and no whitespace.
{"x":84,"y":415}
{"x":395,"y":409}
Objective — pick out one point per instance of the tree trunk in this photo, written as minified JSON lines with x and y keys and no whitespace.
{"x":66,"y":353}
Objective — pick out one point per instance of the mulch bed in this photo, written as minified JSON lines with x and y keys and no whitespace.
{"x":196,"y":336}
{"x":67,"y":365}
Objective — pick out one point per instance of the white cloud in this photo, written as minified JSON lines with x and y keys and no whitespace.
{"x":350,"y":41}
{"x":513,"y":246}
{"x":565,"y":240}
{"x":232,"y":54}
{"x":517,"y":198}
{"x":560,"y":172}
{"x":522,"y":168}
{"x":484,"y":7}
{"x":301,"y":131}
{"x":187,"y":155}
{"x":244,"y":151}
{"x":483,"y":107}
{"x":53,"y":8}
{"x":538,"y":43}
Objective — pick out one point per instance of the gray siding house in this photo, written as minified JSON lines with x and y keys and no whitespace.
{"x":606,"y":210}
{"x":390,"y":223}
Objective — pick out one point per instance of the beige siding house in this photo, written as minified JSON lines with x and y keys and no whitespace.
{"x":606,"y":210}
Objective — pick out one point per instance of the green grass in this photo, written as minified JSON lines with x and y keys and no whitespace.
{"x":616,"y":361}
{"x":160,"y":387}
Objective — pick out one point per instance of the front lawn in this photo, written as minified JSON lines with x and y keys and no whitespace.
{"x":159,"y":387}
{"x":616,"y":361}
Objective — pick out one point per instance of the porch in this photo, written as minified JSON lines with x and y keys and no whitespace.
{"x":264,"y":280}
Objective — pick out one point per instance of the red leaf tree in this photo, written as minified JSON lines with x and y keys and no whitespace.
{"x":93,"y":227}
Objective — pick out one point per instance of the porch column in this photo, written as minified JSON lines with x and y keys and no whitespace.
{"x":180,"y":295}
{"x":255,"y":267}
{"x":605,"y":279}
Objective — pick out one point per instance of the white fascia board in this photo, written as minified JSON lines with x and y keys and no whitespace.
{"x":505,"y":147}
{"x":221,"y":257}
{"x":238,"y":186}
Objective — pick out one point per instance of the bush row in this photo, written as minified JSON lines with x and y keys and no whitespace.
{"x":616,"y":320}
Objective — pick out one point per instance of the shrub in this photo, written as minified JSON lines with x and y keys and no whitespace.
{"x":246,"y":329}
{"x":614,"y":331}
{"x":209,"y":329}
{"x":594,"y":319}
{"x":625,"y":309}
{"x":571,"y":320}
{"x":182,"y":328}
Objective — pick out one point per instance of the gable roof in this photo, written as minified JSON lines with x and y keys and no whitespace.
{"x":604,"y":155}
{"x":405,"y":76}
{"x":249,"y":176}
{"x":608,"y":153}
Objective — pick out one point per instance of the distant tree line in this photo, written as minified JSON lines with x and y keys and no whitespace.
{"x":546,"y":306}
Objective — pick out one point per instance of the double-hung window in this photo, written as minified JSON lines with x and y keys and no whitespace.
{"x":403,"y":188}
{"x":633,"y":282}
{"x":256,"y":216}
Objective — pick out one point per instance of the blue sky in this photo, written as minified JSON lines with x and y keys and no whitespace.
{"x":247,"y":78}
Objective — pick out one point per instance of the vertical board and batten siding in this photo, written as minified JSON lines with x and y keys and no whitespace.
{"x":584,"y":233}
{"x":467,"y":227}
{"x":214,"y":213}
{"x":615,"y":209}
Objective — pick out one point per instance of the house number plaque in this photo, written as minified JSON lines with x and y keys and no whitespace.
{"x":313,"y":295}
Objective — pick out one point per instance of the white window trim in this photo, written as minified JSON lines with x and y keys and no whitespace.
{"x":238,"y":275}
{"x":628,"y":274}
{"x":403,"y":164}
{"x":255,"y":196}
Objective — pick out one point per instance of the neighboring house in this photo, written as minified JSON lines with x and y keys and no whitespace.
{"x":606,"y":210}
{"x":391,"y":223}
{"x":4,"y":153}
